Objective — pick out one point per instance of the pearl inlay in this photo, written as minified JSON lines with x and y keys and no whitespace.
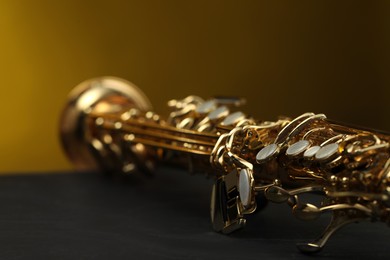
{"x":206,"y":107}
{"x":266,"y":152}
{"x":298,"y":147}
{"x":233,"y":118}
{"x":244,"y":187}
{"x":218,"y":113}
{"x":327,"y":151}
{"x":311,"y":151}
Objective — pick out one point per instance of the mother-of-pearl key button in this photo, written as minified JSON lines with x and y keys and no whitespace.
{"x":244,"y":187}
{"x":298,"y":147}
{"x":206,"y":107}
{"x":327,"y":151}
{"x":266,"y":152}
{"x":218,"y":113}
{"x":233,"y":118}
{"x":311,"y":151}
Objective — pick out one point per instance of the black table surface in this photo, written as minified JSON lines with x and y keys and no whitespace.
{"x":92,"y":216}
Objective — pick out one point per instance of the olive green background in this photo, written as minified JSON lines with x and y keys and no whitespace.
{"x":285,"y":57}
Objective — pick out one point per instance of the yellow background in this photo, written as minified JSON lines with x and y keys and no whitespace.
{"x":285,"y":57}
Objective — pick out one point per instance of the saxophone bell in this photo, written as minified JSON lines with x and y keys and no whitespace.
{"x":105,"y":95}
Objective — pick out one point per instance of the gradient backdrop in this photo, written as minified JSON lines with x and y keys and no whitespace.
{"x":285,"y":57}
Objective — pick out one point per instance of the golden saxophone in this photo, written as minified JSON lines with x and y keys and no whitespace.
{"x":108,"y":124}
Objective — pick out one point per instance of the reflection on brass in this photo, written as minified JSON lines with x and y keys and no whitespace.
{"x":108,"y":124}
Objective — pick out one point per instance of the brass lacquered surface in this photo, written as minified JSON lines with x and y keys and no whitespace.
{"x":116,"y":131}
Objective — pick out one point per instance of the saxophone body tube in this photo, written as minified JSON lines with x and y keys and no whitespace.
{"x":108,"y":124}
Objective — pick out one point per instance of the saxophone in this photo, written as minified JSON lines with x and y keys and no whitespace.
{"x":108,"y":124}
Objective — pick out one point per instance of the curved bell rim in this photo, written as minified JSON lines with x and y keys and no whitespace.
{"x":103,"y":94}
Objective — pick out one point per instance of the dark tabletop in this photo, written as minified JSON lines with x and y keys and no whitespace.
{"x":92,"y":216}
